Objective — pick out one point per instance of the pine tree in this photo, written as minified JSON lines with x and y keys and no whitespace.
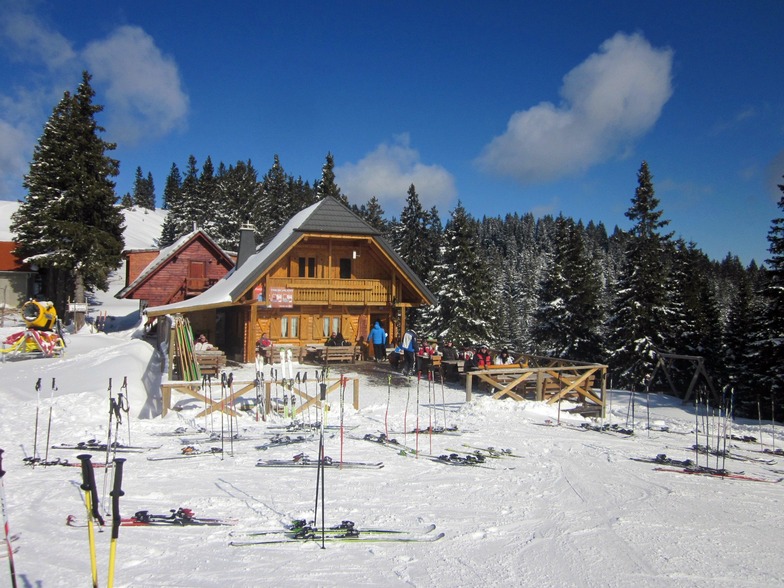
{"x":409,"y":240}
{"x":70,"y":224}
{"x":568,"y":322}
{"x":274,"y":207}
{"x":640,"y":313}
{"x":240,"y":190}
{"x":173,"y":202}
{"x":464,"y":295}
{"x":326,"y":186}
{"x":373,"y":214}
{"x":143,"y":190}
{"x":772,"y":343}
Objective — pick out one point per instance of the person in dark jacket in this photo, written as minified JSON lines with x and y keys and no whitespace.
{"x":335,"y":340}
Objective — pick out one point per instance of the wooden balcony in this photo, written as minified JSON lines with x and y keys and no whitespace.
{"x":324,"y":292}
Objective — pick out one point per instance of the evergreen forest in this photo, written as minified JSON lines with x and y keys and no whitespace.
{"x":550,"y":286}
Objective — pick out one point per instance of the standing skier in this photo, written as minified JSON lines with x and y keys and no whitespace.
{"x":409,"y":345}
{"x":378,"y":337}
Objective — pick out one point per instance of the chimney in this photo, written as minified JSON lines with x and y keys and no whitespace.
{"x":247,"y":244}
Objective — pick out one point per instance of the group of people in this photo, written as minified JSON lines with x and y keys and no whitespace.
{"x":408,"y":355}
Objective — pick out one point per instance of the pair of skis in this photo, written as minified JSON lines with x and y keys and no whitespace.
{"x":301,"y":532}
{"x":303,"y":461}
{"x":179,"y":517}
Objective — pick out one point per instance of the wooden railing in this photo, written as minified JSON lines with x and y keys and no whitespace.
{"x":343,"y":292}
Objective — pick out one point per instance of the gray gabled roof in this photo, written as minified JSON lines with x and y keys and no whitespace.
{"x":326,"y":216}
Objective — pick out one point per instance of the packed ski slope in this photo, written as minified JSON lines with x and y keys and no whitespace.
{"x":570,"y":508}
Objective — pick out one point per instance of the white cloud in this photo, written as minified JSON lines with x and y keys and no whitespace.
{"x":144,"y":94}
{"x":13,"y":162}
{"x":612,"y":98}
{"x":31,"y":39}
{"x":388,"y":171}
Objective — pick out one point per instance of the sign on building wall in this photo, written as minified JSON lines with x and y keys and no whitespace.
{"x":281,"y":297}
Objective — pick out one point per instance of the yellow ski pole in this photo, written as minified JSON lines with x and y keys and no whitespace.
{"x":93,"y":514}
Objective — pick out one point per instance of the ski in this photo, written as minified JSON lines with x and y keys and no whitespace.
{"x":719,"y":474}
{"x":302,"y":460}
{"x":719,"y":453}
{"x":37,"y":461}
{"x":300,"y":427}
{"x":300,"y":526}
{"x":437,"y":430}
{"x":469,"y":460}
{"x":342,"y":537}
{"x":179,"y":431}
{"x":281,"y":440}
{"x":187,"y":453}
{"x":392,"y":443}
{"x":180,"y":517}
{"x":492,"y":451}
{"x":662,"y":459}
{"x":94,"y":445}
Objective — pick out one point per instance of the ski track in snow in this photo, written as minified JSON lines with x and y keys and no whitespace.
{"x":573,"y":510}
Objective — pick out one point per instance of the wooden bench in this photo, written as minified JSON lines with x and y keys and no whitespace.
{"x":339,"y":353}
{"x":210,"y":362}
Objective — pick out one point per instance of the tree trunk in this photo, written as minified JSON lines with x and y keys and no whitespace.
{"x":79,"y":298}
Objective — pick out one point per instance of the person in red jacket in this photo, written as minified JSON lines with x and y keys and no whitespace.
{"x":482,"y":358}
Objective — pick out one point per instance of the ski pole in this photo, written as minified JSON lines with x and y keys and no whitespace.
{"x":5,"y":522}
{"x":416,"y":430}
{"x":49,"y":424}
{"x":126,"y":407}
{"x":224,"y":381}
{"x":386,"y":412}
{"x":93,"y":514}
{"x":115,"y":494}
{"x":37,"y":409}
{"x":343,"y":380}
{"x":230,"y":391}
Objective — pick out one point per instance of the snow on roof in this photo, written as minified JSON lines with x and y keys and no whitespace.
{"x":327,"y":215}
{"x":223,"y":292}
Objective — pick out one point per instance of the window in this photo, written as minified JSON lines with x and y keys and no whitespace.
{"x":289,"y":327}
{"x":307,"y":267}
{"x":330,"y":324}
{"x":345,"y":268}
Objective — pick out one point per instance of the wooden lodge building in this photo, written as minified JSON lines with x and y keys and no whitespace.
{"x":325,"y":271}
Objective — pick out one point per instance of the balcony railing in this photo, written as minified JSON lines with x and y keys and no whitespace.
{"x":337,"y":292}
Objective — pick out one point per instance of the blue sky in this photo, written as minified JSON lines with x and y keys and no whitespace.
{"x":542,"y":107}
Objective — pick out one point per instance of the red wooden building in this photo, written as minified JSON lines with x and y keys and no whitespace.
{"x":181,"y":271}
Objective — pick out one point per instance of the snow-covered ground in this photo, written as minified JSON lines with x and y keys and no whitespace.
{"x":572,"y":510}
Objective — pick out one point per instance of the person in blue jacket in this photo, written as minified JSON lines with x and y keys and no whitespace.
{"x":409,"y":345}
{"x":378,"y":337}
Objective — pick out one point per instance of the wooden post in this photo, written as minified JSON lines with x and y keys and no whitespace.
{"x":356,"y":393}
{"x":469,"y":384}
{"x":267,"y":396}
{"x":539,"y":385}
